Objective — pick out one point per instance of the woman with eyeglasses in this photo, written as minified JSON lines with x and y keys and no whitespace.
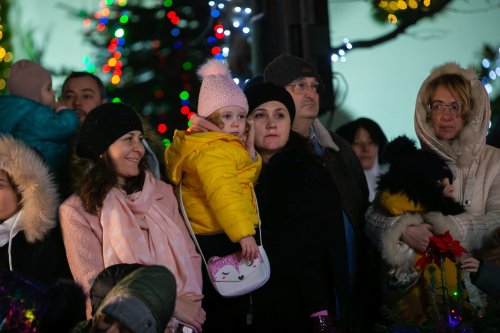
{"x":451,"y":119}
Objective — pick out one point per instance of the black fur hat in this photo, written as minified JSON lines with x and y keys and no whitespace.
{"x":416,"y":173}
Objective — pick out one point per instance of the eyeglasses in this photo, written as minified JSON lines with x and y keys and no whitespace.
{"x":300,"y":88}
{"x":438,"y":108}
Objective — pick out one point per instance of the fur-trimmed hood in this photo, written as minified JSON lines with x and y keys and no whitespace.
{"x":472,"y":137}
{"x":34,"y":183}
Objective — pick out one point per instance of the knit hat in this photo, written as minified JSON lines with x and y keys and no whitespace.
{"x":103,"y":126}
{"x":218,"y":89}
{"x":403,"y":156}
{"x":260,"y":93}
{"x":26,"y":79}
{"x":286,"y":68}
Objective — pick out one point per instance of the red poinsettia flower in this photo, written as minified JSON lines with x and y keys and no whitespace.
{"x":440,"y":245}
{"x":447,"y":245}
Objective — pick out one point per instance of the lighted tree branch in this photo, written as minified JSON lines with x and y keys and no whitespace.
{"x":400,"y":28}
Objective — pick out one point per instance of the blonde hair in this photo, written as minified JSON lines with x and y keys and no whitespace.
{"x":214,"y":118}
{"x":458,"y":87}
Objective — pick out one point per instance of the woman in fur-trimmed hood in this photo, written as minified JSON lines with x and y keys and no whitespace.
{"x":30,"y":239}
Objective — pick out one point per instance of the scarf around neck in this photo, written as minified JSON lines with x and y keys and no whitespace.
{"x":138,"y":229}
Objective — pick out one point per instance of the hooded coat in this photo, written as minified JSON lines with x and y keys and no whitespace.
{"x":475,"y":167}
{"x":474,"y":164}
{"x":36,"y":249}
{"x":218,"y":175}
{"x":476,"y":170}
{"x":143,"y":301}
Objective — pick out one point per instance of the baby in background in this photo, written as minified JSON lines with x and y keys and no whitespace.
{"x":30,"y":113}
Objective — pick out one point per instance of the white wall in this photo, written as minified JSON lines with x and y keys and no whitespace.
{"x":383,"y":80}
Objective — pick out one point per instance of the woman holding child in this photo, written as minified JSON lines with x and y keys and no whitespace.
{"x":451,"y":120}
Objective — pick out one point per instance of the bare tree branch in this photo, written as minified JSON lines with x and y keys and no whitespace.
{"x":401,"y":28}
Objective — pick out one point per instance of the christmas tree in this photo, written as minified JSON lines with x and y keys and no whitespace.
{"x":149,"y":52}
{"x":5,"y":47}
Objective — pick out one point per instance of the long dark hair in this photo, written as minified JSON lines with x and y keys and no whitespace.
{"x":101,"y":178}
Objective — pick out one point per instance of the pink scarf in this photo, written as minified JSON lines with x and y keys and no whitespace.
{"x":139,"y":228}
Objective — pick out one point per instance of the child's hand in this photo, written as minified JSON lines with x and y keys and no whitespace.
{"x":249,"y":248}
{"x":470,"y":265}
{"x":249,"y":140}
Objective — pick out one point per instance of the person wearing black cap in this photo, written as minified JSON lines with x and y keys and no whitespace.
{"x":297,"y":203}
{"x":123,"y":214}
{"x":303,"y":82}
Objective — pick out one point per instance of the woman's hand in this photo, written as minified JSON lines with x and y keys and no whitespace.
{"x":249,"y":248}
{"x":188,"y":310}
{"x":417,"y":236}
{"x":470,"y":265}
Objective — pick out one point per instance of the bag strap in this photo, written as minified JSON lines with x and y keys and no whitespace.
{"x":190,"y":228}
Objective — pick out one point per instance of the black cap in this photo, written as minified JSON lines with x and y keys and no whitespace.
{"x":260,"y":93}
{"x":103,"y":126}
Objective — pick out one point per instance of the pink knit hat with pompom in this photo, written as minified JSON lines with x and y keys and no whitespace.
{"x":218,"y":89}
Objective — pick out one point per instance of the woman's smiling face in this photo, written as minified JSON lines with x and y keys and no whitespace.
{"x":125,"y":154}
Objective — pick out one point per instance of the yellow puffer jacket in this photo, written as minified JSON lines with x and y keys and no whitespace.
{"x":217,"y":177}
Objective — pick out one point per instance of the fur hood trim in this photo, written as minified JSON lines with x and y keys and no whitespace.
{"x":393,"y":250}
{"x":34,"y":183}
{"x":472,"y":138}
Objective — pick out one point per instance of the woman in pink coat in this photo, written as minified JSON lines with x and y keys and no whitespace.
{"x":122,"y":214}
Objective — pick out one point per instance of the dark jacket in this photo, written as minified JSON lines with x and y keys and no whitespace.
{"x":37,"y":249}
{"x":44,"y":260}
{"x":143,"y":301}
{"x":303,"y":235}
{"x":343,"y":164}
{"x":487,"y":278}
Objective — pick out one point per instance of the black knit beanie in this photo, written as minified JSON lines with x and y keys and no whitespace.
{"x":286,"y":68}
{"x":260,"y":93}
{"x":103,"y":126}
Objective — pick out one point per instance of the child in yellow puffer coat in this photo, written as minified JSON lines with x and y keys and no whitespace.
{"x":218,"y":173}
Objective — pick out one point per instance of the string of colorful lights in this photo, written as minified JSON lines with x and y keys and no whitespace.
{"x":112,"y":68}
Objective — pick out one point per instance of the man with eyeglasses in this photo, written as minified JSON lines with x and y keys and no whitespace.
{"x":304,"y":84}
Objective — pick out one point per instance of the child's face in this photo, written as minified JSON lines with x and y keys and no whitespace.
{"x":448,"y":189}
{"x":48,"y":95}
{"x":233,"y":120}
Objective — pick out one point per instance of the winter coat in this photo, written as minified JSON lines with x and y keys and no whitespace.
{"x":217,"y":175}
{"x":37,"y":249}
{"x":40,"y":127}
{"x":303,"y":235}
{"x":348,"y":175}
{"x":83,"y":239}
{"x":487,"y":278}
{"x":476,"y":170}
{"x":474,"y":164}
{"x":143,"y":301}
